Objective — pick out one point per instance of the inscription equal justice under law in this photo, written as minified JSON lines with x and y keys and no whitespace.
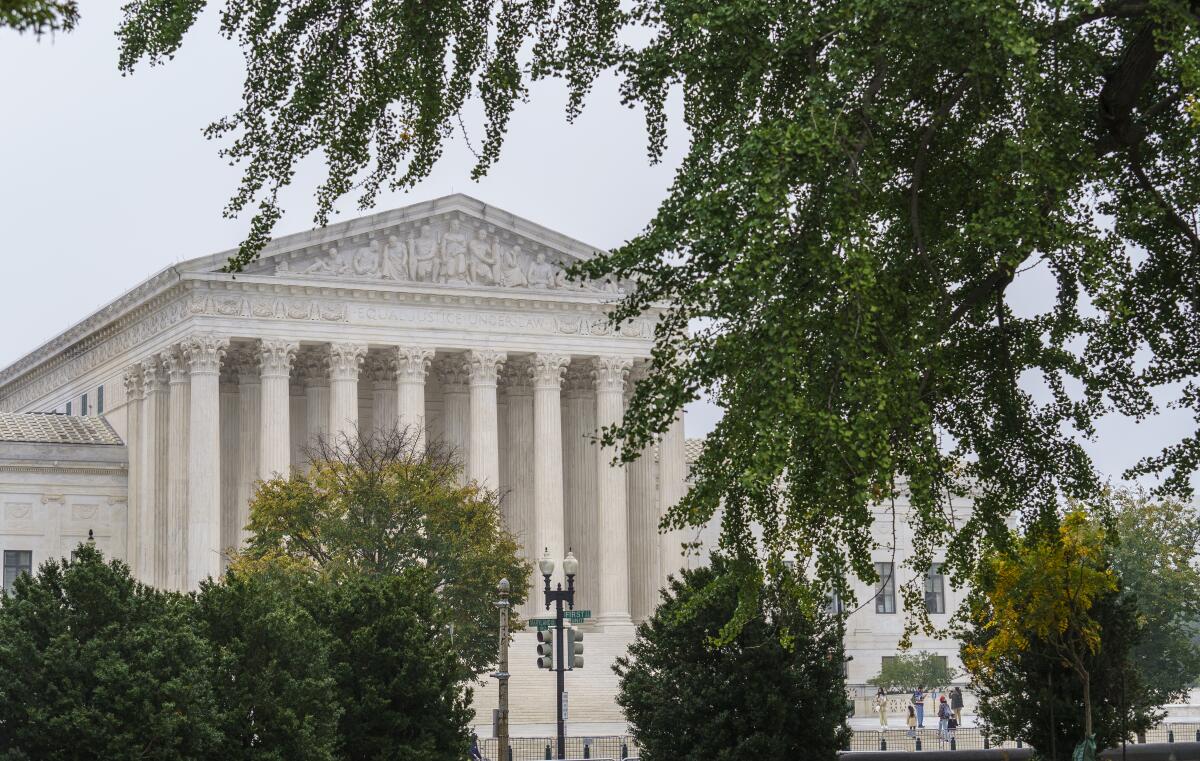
{"x":440,"y":253}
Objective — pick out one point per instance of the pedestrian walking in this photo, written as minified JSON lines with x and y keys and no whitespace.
{"x":881,"y":707}
{"x":912,"y":723}
{"x":476,"y":755}
{"x":956,"y":704}
{"x":944,"y":715}
{"x":918,"y":701}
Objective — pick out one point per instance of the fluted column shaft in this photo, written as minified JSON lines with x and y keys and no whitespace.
{"x":275,"y":359}
{"x":610,"y":375}
{"x":384,"y":400}
{"x":345,"y":361}
{"x":136,"y":437}
{"x":672,"y":485}
{"x":412,"y":365}
{"x":483,"y":460}
{"x":152,"y":529}
{"x":456,"y":416}
{"x":642,"y":496}
{"x":546,"y":373}
{"x":520,"y":504}
{"x":315,"y":376}
{"x":249,"y":449}
{"x":581,"y":519}
{"x":177,"y":469}
{"x":229,"y":538}
{"x":204,"y":354}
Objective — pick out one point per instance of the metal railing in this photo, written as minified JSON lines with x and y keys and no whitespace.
{"x":623,"y":748}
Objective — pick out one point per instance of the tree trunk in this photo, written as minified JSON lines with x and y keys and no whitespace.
{"x":1087,"y":704}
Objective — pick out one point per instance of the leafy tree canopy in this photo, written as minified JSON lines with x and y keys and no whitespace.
{"x":865,"y":181}
{"x":39,"y":16}
{"x":1042,"y":595}
{"x":908,"y":671}
{"x":775,"y":690}
{"x":1156,"y":560}
{"x":382,"y":505}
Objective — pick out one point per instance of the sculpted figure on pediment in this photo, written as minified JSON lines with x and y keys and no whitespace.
{"x":367,"y":260}
{"x":423,"y":256}
{"x":542,"y":274}
{"x":336,"y":262}
{"x":481,"y":268}
{"x":395,"y":260}
{"x":510,"y":273}
{"x":454,"y":254}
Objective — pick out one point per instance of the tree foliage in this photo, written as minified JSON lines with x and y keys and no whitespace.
{"x":1041,"y":595}
{"x":865,"y":183}
{"x":907,"y":671}
{"x":95,"y":665}
{"x":775,"y":690}
{"x":39,"y":16}
{"x":1156,"y":560}
{"x":279,"y":665}
{"x":384,"y":504}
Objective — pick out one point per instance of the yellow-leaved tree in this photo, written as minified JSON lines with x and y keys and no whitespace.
{"x":1043,"y":589}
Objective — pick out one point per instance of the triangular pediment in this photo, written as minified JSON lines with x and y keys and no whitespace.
{"x":455,"y":240}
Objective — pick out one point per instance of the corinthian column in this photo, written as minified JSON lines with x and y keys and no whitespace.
{"x":229,"y":538}
{"x":609,"y":373}
{"x":546,"y":372}
{"x":345,"y":360}
{"x":177,"y":470}
{"x":672,"y":485}
{"x":581,"y":520}
{"x":483,"y":460}
{"x":135,"y":435}
{"x":203,"y":354}
{"x":457,"y":407}
{"x":412,"y":363}
{"x":249,"y":434}
{"x":152,"y":528}
{"x":519,"y":468}
{"x":275,"y":358}
{"x":643,"y":521}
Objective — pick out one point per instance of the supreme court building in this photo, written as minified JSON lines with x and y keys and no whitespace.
{"x":451,"y":316}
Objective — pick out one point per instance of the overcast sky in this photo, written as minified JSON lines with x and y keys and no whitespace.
{"x":105,"y":180}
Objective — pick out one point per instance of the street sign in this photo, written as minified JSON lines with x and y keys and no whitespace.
{"x":564,"y":717}
{"x":568,"y":615}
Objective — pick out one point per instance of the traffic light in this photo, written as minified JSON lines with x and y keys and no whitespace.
{"x":574,"y":648}
{"x":545,"y":649}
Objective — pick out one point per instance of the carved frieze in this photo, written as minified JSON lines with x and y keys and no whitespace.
{"x":448,"y":250}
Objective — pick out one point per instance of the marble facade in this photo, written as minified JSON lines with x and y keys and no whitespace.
{"x":450,"y":316}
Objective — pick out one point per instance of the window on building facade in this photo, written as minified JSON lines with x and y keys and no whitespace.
{"x":100,"y":400}
{"x":833,"y":603}
{"x":68,"y":408}
{"x":935,"y":590}
{"x":16,"y":562}
{"x":83,"y":405}
{"x":885,"y":589}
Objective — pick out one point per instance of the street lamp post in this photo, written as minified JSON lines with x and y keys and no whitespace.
{"x":501,"y":674}
{"x":558,"y":596}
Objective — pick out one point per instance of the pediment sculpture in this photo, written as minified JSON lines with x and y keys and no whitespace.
{"x":431,"y":253}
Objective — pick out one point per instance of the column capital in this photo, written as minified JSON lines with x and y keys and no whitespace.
{"x":577,"y":382}
{"x":547,"y":370}
{"x":638,"y":373}
{"x":134,"y":384}
{"x":175,"y":365}
{"x":243,"y":362}
{"x":412,"y":363}
{"x":312,"y":368}
{"x":154,"y":376}
{"x":204,"y":353}
{"x":381,"y":369}
{"x":483,"y":366}
{"x":452,"y":372}
{"x":609,"y":373}
{"x":345,"y":360}
{"x":517,"y":375}
{"x":276,"y":356}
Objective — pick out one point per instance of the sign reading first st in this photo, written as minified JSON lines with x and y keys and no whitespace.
{"x":569,"y":615}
